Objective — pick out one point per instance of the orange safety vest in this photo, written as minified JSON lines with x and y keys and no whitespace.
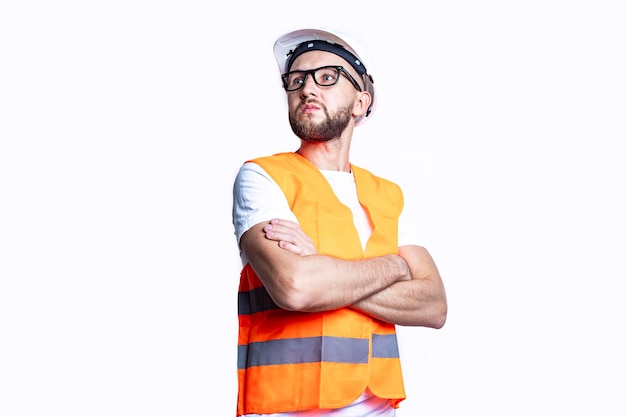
{"x":292,"y":361}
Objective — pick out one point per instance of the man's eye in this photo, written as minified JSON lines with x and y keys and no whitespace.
{"x":296,"y":80}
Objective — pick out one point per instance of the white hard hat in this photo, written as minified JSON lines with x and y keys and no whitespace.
{"x":334,"y":42}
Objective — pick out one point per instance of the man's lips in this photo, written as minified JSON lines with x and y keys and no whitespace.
{"x":309,"y":108}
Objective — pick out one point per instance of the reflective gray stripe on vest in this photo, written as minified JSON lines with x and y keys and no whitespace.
{"x":385,"y":346}
{"x":303,"y":350}
{"x":255,"y":301}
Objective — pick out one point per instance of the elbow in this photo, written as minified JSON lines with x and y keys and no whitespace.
{"x":440,"y":315}
{"x":291,"y":296}
{"x":434,"y":316}
{"x":292,"y":301}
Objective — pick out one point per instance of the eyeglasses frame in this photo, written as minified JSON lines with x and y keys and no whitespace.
{"x":339,"y":68}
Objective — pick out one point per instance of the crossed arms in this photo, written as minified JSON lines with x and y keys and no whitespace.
{"x":404,"y":289}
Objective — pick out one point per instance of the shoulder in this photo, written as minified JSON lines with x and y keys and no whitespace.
{"x":251,"y":174}
{"x":285,"y":161}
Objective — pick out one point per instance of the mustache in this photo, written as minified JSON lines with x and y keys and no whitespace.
{"x":310,"y":101}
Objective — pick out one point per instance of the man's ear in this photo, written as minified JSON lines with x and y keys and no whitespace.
{"x":364,"y":99}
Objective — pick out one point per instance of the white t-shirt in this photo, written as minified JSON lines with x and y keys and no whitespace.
{"x":367,"y":405}
{"x":257,"y":198}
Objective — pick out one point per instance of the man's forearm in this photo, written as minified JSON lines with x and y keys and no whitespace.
{"x":405,"y":303}
{"x":326,"y":283}
{"x":420,"y":301}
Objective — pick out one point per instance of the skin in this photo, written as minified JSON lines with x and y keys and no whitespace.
{"x":404,"y":289}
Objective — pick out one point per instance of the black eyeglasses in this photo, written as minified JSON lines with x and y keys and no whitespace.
{"x":323,"y":76}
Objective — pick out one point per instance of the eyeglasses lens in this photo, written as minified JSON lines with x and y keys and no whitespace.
{"x":324,"y":76}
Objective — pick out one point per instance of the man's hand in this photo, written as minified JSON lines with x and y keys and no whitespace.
{"x":290,"y":236}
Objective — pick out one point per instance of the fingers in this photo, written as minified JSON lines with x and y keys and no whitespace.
{"x":291,"y":247}
{"x":290,"y":237}
{"x":284,"y":223}
{"x":284,"y":229}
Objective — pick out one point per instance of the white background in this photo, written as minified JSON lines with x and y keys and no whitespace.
{"x":123,"y":123}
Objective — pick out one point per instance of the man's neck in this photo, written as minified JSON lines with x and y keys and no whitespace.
{"x":333,"y":155}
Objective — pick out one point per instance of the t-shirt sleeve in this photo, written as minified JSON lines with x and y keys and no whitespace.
{"x":257,"y":198}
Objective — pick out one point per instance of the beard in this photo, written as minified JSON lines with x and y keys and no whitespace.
{"x":330,"y":128}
